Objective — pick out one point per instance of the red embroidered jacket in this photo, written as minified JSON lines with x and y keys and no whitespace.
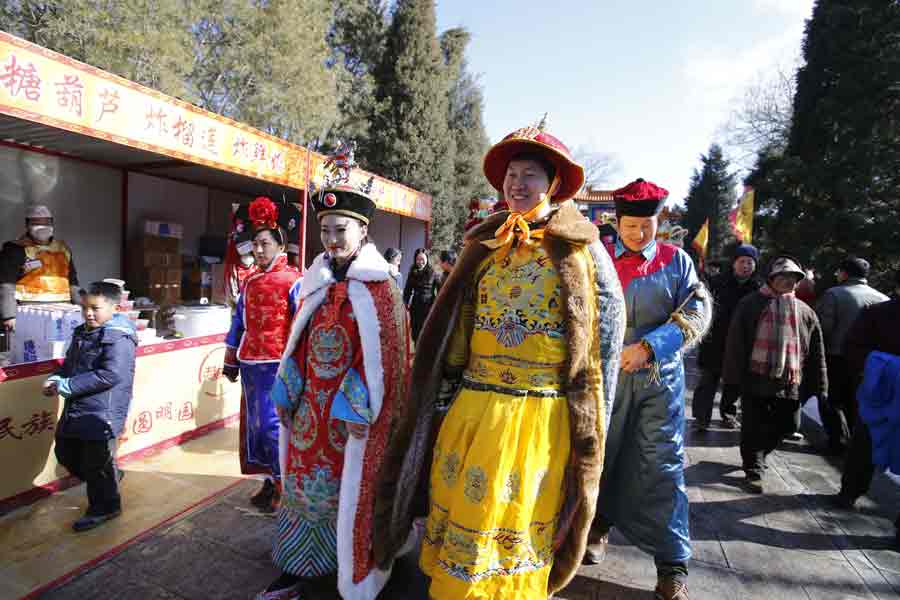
{"x":262,"y":322}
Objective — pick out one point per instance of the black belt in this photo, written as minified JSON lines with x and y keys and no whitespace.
{"x":489,"y":387}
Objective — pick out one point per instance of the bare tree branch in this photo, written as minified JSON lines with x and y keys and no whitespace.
{"x":761,"y":115}
{"x":600,"y":168}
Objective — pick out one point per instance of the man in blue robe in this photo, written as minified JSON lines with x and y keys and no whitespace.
{"x":642,"y":491}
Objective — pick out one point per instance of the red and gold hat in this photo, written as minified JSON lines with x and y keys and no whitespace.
{"x":533,"y":139}
{"x":640,"y":199}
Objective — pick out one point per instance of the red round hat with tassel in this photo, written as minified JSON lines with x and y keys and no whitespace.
{"x":640,"y":198}
{"x":534,"y":140}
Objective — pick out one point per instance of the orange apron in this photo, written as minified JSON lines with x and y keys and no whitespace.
{"x":46,"y":269}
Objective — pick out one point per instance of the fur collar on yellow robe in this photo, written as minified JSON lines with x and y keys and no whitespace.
{"x":595,"y":325}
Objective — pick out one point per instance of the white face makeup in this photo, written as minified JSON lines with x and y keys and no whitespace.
{"x":342,"y":236}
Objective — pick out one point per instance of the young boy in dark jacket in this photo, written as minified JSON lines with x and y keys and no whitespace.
{"x":96,"y":382}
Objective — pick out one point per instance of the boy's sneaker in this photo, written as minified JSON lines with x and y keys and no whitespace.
{"x":701,"y":426}
{"x":88,"y":521}
{"x":796,"y":437}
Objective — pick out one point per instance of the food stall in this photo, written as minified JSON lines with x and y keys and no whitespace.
{"x":123,"y":167}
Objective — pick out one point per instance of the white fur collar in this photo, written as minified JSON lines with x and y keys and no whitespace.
{"x":369,"y":265}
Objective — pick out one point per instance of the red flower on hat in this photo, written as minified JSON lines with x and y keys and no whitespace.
{"x":639,"y":190}
{"x":330,"y":200}
{"x":263,"y":213}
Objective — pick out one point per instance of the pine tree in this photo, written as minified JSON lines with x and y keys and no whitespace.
{"x":357,"y":42}
{"x":411,"y":141}
{"x":265,"y":64}
{"x":466,"y":105}
{"x":711,"y":196}
{"x":842,"y":168}
{"x":261,"y":63}
{"x":146,"y":41}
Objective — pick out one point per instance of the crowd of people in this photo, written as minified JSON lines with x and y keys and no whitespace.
{"x":501,"y":413}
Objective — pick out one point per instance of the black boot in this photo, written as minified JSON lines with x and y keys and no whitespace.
{"x":263,"y":497}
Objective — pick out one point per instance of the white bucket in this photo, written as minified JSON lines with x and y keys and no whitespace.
{"x":196,"y":321}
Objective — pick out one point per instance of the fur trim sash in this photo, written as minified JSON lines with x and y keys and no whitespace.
{"x":594,"y":313}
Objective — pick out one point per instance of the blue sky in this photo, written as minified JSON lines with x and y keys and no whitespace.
{"x":650,"y":81}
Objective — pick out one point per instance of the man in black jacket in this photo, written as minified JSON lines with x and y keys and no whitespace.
{"x":727,"y":289}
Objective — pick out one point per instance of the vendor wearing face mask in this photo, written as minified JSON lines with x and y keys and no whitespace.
{"x":36,"y":267}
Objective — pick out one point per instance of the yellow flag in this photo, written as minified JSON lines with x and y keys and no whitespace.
{"x":743,"y":218}
{"x":701,"y":240}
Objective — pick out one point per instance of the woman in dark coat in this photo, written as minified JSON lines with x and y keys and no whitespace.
{"x":419,"y":292}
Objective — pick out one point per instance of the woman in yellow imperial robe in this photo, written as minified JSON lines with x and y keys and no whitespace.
{"x":527,"y":331}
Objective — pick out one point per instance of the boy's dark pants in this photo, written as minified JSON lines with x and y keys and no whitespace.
{"x":93,"y":461}
{"x":766,"y":422}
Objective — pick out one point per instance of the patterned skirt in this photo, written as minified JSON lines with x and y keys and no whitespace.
{"x":497,"y":488}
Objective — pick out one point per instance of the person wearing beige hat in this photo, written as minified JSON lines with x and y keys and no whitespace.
{"x":775,"y":352}
{"x":37,"y":267}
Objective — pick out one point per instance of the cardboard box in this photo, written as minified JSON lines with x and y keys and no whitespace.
{"x":161,"y":259}
{"x":162,"y":276}
{"x":155,"y":243}
{"x":163,"y":229}
{"x":165,"y":294}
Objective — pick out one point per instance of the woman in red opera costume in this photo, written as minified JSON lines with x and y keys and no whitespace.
{"x":259,"y":332}
{"x":339,"y":391}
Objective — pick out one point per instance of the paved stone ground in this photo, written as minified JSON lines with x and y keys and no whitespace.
{"x":786,"y":544}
